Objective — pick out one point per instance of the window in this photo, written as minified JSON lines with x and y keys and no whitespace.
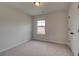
{"x":41,"y":27}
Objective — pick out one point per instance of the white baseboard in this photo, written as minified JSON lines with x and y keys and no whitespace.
{"x":51,"y":41}
{"x":21,"y":42}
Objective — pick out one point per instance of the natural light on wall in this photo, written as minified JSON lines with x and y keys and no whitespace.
{"x":41,"y":27}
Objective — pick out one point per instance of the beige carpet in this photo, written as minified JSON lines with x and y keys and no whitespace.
{"x":38,"y":48}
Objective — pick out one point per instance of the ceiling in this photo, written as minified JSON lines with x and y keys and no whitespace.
{"x":45,"y":7}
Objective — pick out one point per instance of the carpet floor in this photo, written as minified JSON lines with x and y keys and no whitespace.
{"x":38,"y":48}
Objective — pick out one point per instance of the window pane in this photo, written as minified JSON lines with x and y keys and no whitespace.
{"x":38,"y":23}
{"x":41,"y":30}
{"x":41,"y":23}
{"x":40,"y":26}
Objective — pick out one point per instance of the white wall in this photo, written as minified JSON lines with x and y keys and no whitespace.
{"x":56,"y":27}
{"x":73,"y":27}
{"x":15,"y":27}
